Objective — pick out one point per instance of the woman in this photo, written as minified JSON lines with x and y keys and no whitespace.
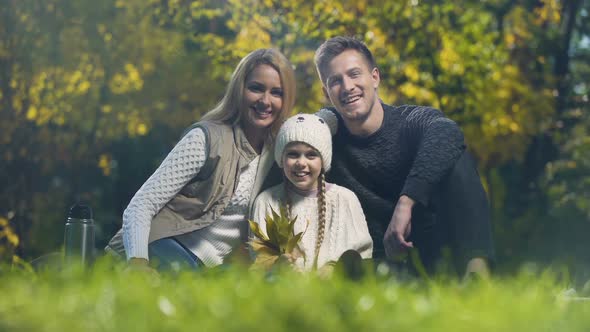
{"x":192,"y":210}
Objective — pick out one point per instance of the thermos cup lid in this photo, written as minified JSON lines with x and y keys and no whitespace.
{"x":80,"y":211}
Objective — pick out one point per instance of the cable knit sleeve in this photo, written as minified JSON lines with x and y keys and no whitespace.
{"x":180,"y":166}
{"x":357,"y":231}
{"x":440,"y":144}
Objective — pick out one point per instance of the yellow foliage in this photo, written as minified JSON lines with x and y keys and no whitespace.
{"x":44,"y":115}
{"x":450,"y":60}
{"x":252,"y":36}
{"x":106,"y":109}
{"x":22,"y":264}
{"x":418,"y":93}
{"x":6,"y":232}
{"x":412,"y":73}
{"x":518,"y":26}
{"x":142,"y":129}
{"x":514,"y":127}
{"x":104,"y":163}
{"x":548,"y":12}
{"x":32,"y":113}
{"x":510,"y":39}
{"x":127,"y":81}
{"x":83,"y":87}
{"x":75,"y":77}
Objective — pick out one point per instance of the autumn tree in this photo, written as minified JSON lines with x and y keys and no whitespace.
{"x":94,"y":94}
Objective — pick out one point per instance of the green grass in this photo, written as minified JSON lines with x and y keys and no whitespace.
{"x":108,"y":298}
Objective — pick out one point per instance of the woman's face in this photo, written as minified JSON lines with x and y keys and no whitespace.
{"x":302,"y":165}
{"x":263,"y":98}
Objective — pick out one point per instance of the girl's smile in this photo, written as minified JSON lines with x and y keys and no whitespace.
{"x":302,"y":165}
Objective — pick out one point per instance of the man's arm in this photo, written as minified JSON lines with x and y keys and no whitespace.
{"x":394,"y":240}
{"x":439,"y":144}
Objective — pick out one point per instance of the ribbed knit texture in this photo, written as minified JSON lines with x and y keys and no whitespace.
{"x":309,"y":129}
{"x":178,"y":168}
{"x":346,"y":227}
{"x":411,"y":152}
{"x":212,"y":243}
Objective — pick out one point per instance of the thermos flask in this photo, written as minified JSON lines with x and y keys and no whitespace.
{"x":79,"y":235}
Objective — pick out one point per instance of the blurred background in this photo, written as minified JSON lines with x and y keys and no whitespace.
{"x":94,"y":94}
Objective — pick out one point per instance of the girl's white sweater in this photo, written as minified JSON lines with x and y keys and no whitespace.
{"x":346,"y":227}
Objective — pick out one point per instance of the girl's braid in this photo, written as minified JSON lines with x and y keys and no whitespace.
{"x":287,"y":202}
{"x":321,"y":214}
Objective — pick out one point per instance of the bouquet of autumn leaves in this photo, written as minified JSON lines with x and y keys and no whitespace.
{"x":279,"y":241}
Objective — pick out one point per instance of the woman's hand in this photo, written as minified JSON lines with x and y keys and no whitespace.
{"x":141,"y":265}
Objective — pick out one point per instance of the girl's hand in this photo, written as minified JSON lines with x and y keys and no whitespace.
{"x":325,"y":272}
{"x":287,"y":258}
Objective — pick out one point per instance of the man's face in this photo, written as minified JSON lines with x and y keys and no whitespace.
{"x":351,"y":85}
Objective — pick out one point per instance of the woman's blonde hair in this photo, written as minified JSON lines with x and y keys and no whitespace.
{"x":228,"y":109}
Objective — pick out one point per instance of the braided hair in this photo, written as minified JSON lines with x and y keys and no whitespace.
{"x":321,"y":215}
{"x":322,"y":208}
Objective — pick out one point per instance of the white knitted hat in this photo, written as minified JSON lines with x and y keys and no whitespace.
{"x":309,"y":129}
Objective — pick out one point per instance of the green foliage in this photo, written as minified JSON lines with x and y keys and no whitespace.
{"x":108,"y":298}
{"x":567,"y":179}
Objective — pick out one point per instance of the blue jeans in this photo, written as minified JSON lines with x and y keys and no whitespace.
{"x":170,"y":255}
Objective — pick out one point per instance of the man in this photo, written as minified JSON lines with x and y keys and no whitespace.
{"x":407,"y":164}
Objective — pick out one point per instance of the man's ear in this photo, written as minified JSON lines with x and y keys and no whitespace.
{"x":376,"y":77}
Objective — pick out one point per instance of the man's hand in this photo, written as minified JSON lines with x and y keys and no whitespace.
{"x":399,"y":228}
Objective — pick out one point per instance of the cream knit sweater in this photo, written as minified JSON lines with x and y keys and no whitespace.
{"x":345,"y":227}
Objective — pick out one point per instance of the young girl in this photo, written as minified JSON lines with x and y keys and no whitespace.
{"x":330,"y":216}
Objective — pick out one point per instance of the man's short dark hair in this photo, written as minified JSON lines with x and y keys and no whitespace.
{"x":332,"y":47}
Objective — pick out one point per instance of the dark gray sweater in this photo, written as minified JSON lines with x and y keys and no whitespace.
{"x":411,"y":152}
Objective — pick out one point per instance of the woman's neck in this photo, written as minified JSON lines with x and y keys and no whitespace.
{"x":255,"y":137}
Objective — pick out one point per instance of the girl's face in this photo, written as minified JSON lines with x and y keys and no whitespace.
{"x":302,"y":165}
{"x":262,"y":100}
